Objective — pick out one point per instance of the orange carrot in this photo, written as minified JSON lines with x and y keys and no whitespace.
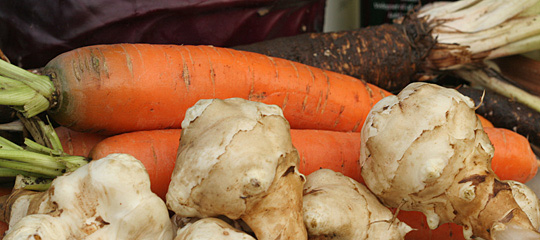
{"x":484,"y":121}
{"x":513,"y":158}
{"x":338,"y":151}
{"x":417,"y":220}
{"x":127,"y":87}
{"x":77,"y":143}
{"x":156,"y":149}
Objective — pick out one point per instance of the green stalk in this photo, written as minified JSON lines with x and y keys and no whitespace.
{"x":8,"y":172}
{"x":42,"y":84}
{"x":23,"y":166}
{"x":36,"y":159}
{"x":38,"y":148}
{"x":28,"y":93}
{"x":6,"y":144}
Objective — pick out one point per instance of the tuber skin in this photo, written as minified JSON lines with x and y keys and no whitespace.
{"x":338,"y":207}
{"x":425,"y":150}
{"x":527,"y":200}
{"x":236,"y":159}
{"x":109,"y":198}
{"x":210,"y":228}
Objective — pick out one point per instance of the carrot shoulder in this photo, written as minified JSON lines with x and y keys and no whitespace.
{"x":120,"y":88}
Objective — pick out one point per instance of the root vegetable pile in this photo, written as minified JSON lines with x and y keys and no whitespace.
{"x":203,"y":142}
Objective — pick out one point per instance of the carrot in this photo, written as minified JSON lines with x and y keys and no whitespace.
{"x":513,"y":158}
{"x":77,"y":143}
{"x":119,"y":88}
{"x":484,"y":121}
{"x":156,"y":149}
{"x":338,"y":151}
{"x":418,"y":221}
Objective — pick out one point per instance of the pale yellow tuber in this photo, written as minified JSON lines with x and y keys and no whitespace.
{"x":236,"y":159}
{"x":338,"y":207}
{"x":425,"y":150}
{"x":210,"y":228}
{"x":109,"y":198}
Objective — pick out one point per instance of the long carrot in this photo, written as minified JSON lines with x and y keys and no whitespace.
{"x":127,"y":87}
{"x":338,"y":151}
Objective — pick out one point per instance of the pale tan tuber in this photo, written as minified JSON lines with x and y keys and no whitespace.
{"x":338,"y":207}
{"x":210,"y":228}
{"x":425,"y":150}
{"x":109,"y":198}
{"x":236,"y":159}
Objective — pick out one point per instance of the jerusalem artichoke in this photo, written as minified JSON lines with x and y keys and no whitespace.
{"x":338,"y":207}
{"x":109,"y":198}
{"x":210,"y":228}
{"x":236,"y":159}
{"x":425,"y":150}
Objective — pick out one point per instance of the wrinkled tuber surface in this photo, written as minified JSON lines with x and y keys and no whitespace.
{"x":527,"y":200}
{"x":338,"y":207}
{"x":210,"y":228}
{"x":236,"y":159}
{"x":108,"y":198}
{"x":425,"y":150}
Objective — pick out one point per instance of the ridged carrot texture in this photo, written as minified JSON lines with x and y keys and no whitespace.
{"x":120,"y":88}
{"x":156,"y":149}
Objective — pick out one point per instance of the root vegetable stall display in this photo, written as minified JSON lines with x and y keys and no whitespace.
{"x":226,"y":137}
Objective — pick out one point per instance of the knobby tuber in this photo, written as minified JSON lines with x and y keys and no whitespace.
{"x":210,"y":228}
{"x":109,"y":198}
{"x":338,"y":207}
{"x":236,"y":159}
{"x":425,"y":150}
